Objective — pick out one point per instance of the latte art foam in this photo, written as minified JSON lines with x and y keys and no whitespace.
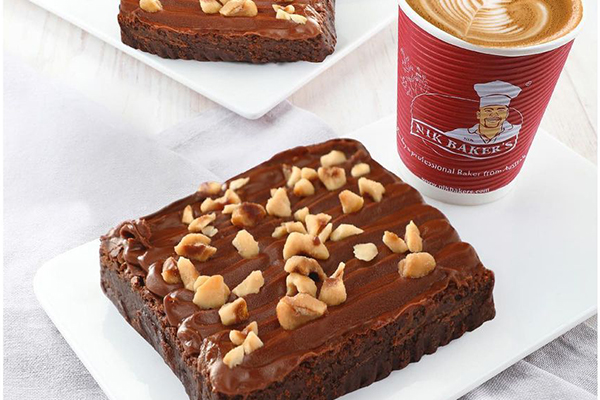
{"x":502,"y":23}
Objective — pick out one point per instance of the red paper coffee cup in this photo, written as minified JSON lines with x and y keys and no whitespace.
{"x":450,"y":91}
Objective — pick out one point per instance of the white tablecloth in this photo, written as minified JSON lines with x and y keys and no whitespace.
{"x":72,"y":171}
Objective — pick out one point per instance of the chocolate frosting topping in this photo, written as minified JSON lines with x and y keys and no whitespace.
{"x":187,"y":15}
{"x":376,"y":292}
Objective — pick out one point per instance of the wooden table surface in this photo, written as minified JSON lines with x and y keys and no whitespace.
{"x":358,"y":90}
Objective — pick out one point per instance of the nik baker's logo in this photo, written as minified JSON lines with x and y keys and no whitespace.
{"x":491,"y":136}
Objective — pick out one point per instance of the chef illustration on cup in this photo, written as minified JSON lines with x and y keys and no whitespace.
{"x":493,"y":126}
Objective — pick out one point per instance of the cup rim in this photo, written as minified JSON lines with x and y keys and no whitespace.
{"x":497,"y":51}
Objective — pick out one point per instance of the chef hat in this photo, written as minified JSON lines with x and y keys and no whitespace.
{"x":496,"y":93}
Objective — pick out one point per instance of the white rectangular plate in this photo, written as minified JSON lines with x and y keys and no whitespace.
{"x":540,"y":241}
{"x":246,"y":89}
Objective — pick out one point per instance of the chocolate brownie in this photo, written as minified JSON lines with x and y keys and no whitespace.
{"x":413,"y":286}
{"x":180,"y":29}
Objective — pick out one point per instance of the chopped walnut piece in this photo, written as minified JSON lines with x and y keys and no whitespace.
{"x":296,"y":283}
{"x":201,"y":252}
{"x":294,"y":226}
{"x":287,"y":13}
{"x":238,"y":337}
{"x":372,"y":188}
{"x":201,"y":280}
{"x":279,"y":232}
{"x":230,"y":197}
{"x":287,"y":172}
{"x":301,"y":214}
{"x":248,"y":215}
{"x":213,"y":293}
{"x":234,"y":357}
{"x":210,"y":6}
{"x":234,"y":312}
{"x":299,"y":19}
{"x":293,"y":312}
{"x":304,"y":266}
{"x":239,"y":8}
{"x":395,"y":243}
{"x":188,"y":214}
{"x":251,"y":285}
{"x":316,"y":223}
{"x":238,"y":183}
{"x":193,"y":238}
{"x":283,"y":230}
{"x":230,"y":208}
{"x":288,"y":9}
{"x":332,"y":177}
{"x":252,"y":343}
{"x":195,"y":246}
{"x":334,"y":157}
{"x":151,"y":6}
{"x":210,"y":188}
{"x":360,"y":170}
{"x":245,"y":244}
{"x":298,"y":243}
{"x":333,"y":291}
{"x":309,"y":173}
{"x":288,"y":227}
{"x":187,"y":272}
{"x":343,"y":231}
{"x":412,"y":236}
{"x":201,"y":222}
{"x":209,"y":231}
{"x":294,"y":177}
{"x":283,"y":15}
{"x":416,"y":265}
{"x":351,"y":202}
{"x":279,"y":204}
{"x":170,"y":272}
{"x":304,"y":188}
{"x":210,"y":205}
{"x":365,"y":251}
{"x":325,"y":233}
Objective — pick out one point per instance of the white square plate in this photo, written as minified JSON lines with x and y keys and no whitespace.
{"x":540,"y":241}
{"x":246,"y":89}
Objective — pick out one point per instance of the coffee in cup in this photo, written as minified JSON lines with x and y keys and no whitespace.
{"x":502,"y":23}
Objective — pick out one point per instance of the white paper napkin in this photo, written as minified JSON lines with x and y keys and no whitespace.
{"x":72,"y":171}
{"x":228,"y":144}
